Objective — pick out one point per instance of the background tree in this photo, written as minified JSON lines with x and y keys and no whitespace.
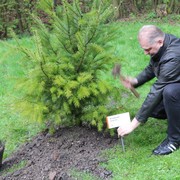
{"x":127,"y":7}
{"x":15,"y":14}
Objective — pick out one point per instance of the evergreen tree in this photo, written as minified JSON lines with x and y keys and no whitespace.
{"x":63,"y":81}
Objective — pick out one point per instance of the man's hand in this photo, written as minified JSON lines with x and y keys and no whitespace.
{"x":124,"y":130}
{"x":128,"y":82}
{"x":127,"y":129}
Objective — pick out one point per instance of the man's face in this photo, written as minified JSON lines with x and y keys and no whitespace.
{"x":150,"y":48}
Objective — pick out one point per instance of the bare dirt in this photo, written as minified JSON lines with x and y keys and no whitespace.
{"x":53,"y":157}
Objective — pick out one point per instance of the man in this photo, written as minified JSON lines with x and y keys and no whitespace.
{"x":163,"y":100}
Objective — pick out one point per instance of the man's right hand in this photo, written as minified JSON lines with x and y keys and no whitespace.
{"x":129,"y":82}
{"x":127,"y":129}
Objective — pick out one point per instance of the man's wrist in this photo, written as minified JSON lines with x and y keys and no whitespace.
{"x":134,"y":124}
{"x":134,"y":81}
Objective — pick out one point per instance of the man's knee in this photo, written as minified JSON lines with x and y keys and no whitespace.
{"x":168,"y":90}
{"x":159,"y":112}
{"x":171,"y":92}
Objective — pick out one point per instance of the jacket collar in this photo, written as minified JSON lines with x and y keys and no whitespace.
{"x":159,"y":54}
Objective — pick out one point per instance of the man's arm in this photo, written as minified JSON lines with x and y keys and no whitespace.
{"x":146,"y":75}
{"x":169,"y":73}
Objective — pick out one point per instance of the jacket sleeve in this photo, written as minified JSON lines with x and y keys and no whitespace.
{"x":169,"y":72}
{"x":146,"y":75}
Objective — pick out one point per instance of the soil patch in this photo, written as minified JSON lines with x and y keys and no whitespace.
{"x":52,"y":157}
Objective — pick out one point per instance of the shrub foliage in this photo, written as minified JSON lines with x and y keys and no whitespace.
{"x":63,"y":82}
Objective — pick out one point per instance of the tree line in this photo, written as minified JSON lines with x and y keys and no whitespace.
{"x":16,"y":14}
{"x":160,"y":7}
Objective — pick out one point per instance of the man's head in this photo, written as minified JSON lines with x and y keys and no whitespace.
{"x":151,"y":39}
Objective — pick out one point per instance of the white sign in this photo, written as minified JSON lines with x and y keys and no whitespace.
{"x":118,"y":120}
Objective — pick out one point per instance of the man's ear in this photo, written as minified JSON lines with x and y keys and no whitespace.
{"x":161,"y":42}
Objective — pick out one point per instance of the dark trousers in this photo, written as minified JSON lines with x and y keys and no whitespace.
{"x":169,"y":109}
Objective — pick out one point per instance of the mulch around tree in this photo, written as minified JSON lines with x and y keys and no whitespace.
{"x":53,"y":157}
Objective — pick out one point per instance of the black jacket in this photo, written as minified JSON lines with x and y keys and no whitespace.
{"x":165,"y":66}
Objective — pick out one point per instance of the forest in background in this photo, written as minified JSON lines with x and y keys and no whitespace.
{"x":16,"y":14}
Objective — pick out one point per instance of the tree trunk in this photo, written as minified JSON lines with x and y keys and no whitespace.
{"x":3,"y":33}
{"x":19,"y":16}
{"x":116,"y":7}
{"x":2,"y":147}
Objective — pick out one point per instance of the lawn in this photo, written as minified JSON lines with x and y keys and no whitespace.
{"x":14,"y":130}
{"x":137,"y":162}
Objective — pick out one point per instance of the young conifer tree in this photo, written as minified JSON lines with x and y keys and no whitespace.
{"x":63,"y":81}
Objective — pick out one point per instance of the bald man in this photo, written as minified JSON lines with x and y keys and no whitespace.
{"x":163,"y":100}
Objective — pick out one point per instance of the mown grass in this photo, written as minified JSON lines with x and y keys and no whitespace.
{"x":136,"y":162}
{"x":14,"y":130}
{"x":14,"y":168}
{"x":78,"y":175}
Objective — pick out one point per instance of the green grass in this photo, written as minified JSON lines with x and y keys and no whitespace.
{"x":78,"y":175}
{"x":136,"y":162}
{"x":14,"y":168}
{"x":14,"y":130}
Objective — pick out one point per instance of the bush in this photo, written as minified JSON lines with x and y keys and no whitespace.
{"x":63,"y":81}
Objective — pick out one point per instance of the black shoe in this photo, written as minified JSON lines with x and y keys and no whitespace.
{"x":166,"y":148}
{"x":163,"y":143}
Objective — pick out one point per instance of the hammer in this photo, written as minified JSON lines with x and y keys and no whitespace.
{"x":117,"y":72}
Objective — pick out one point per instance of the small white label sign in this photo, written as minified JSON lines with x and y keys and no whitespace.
{"x":118,"y":120}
